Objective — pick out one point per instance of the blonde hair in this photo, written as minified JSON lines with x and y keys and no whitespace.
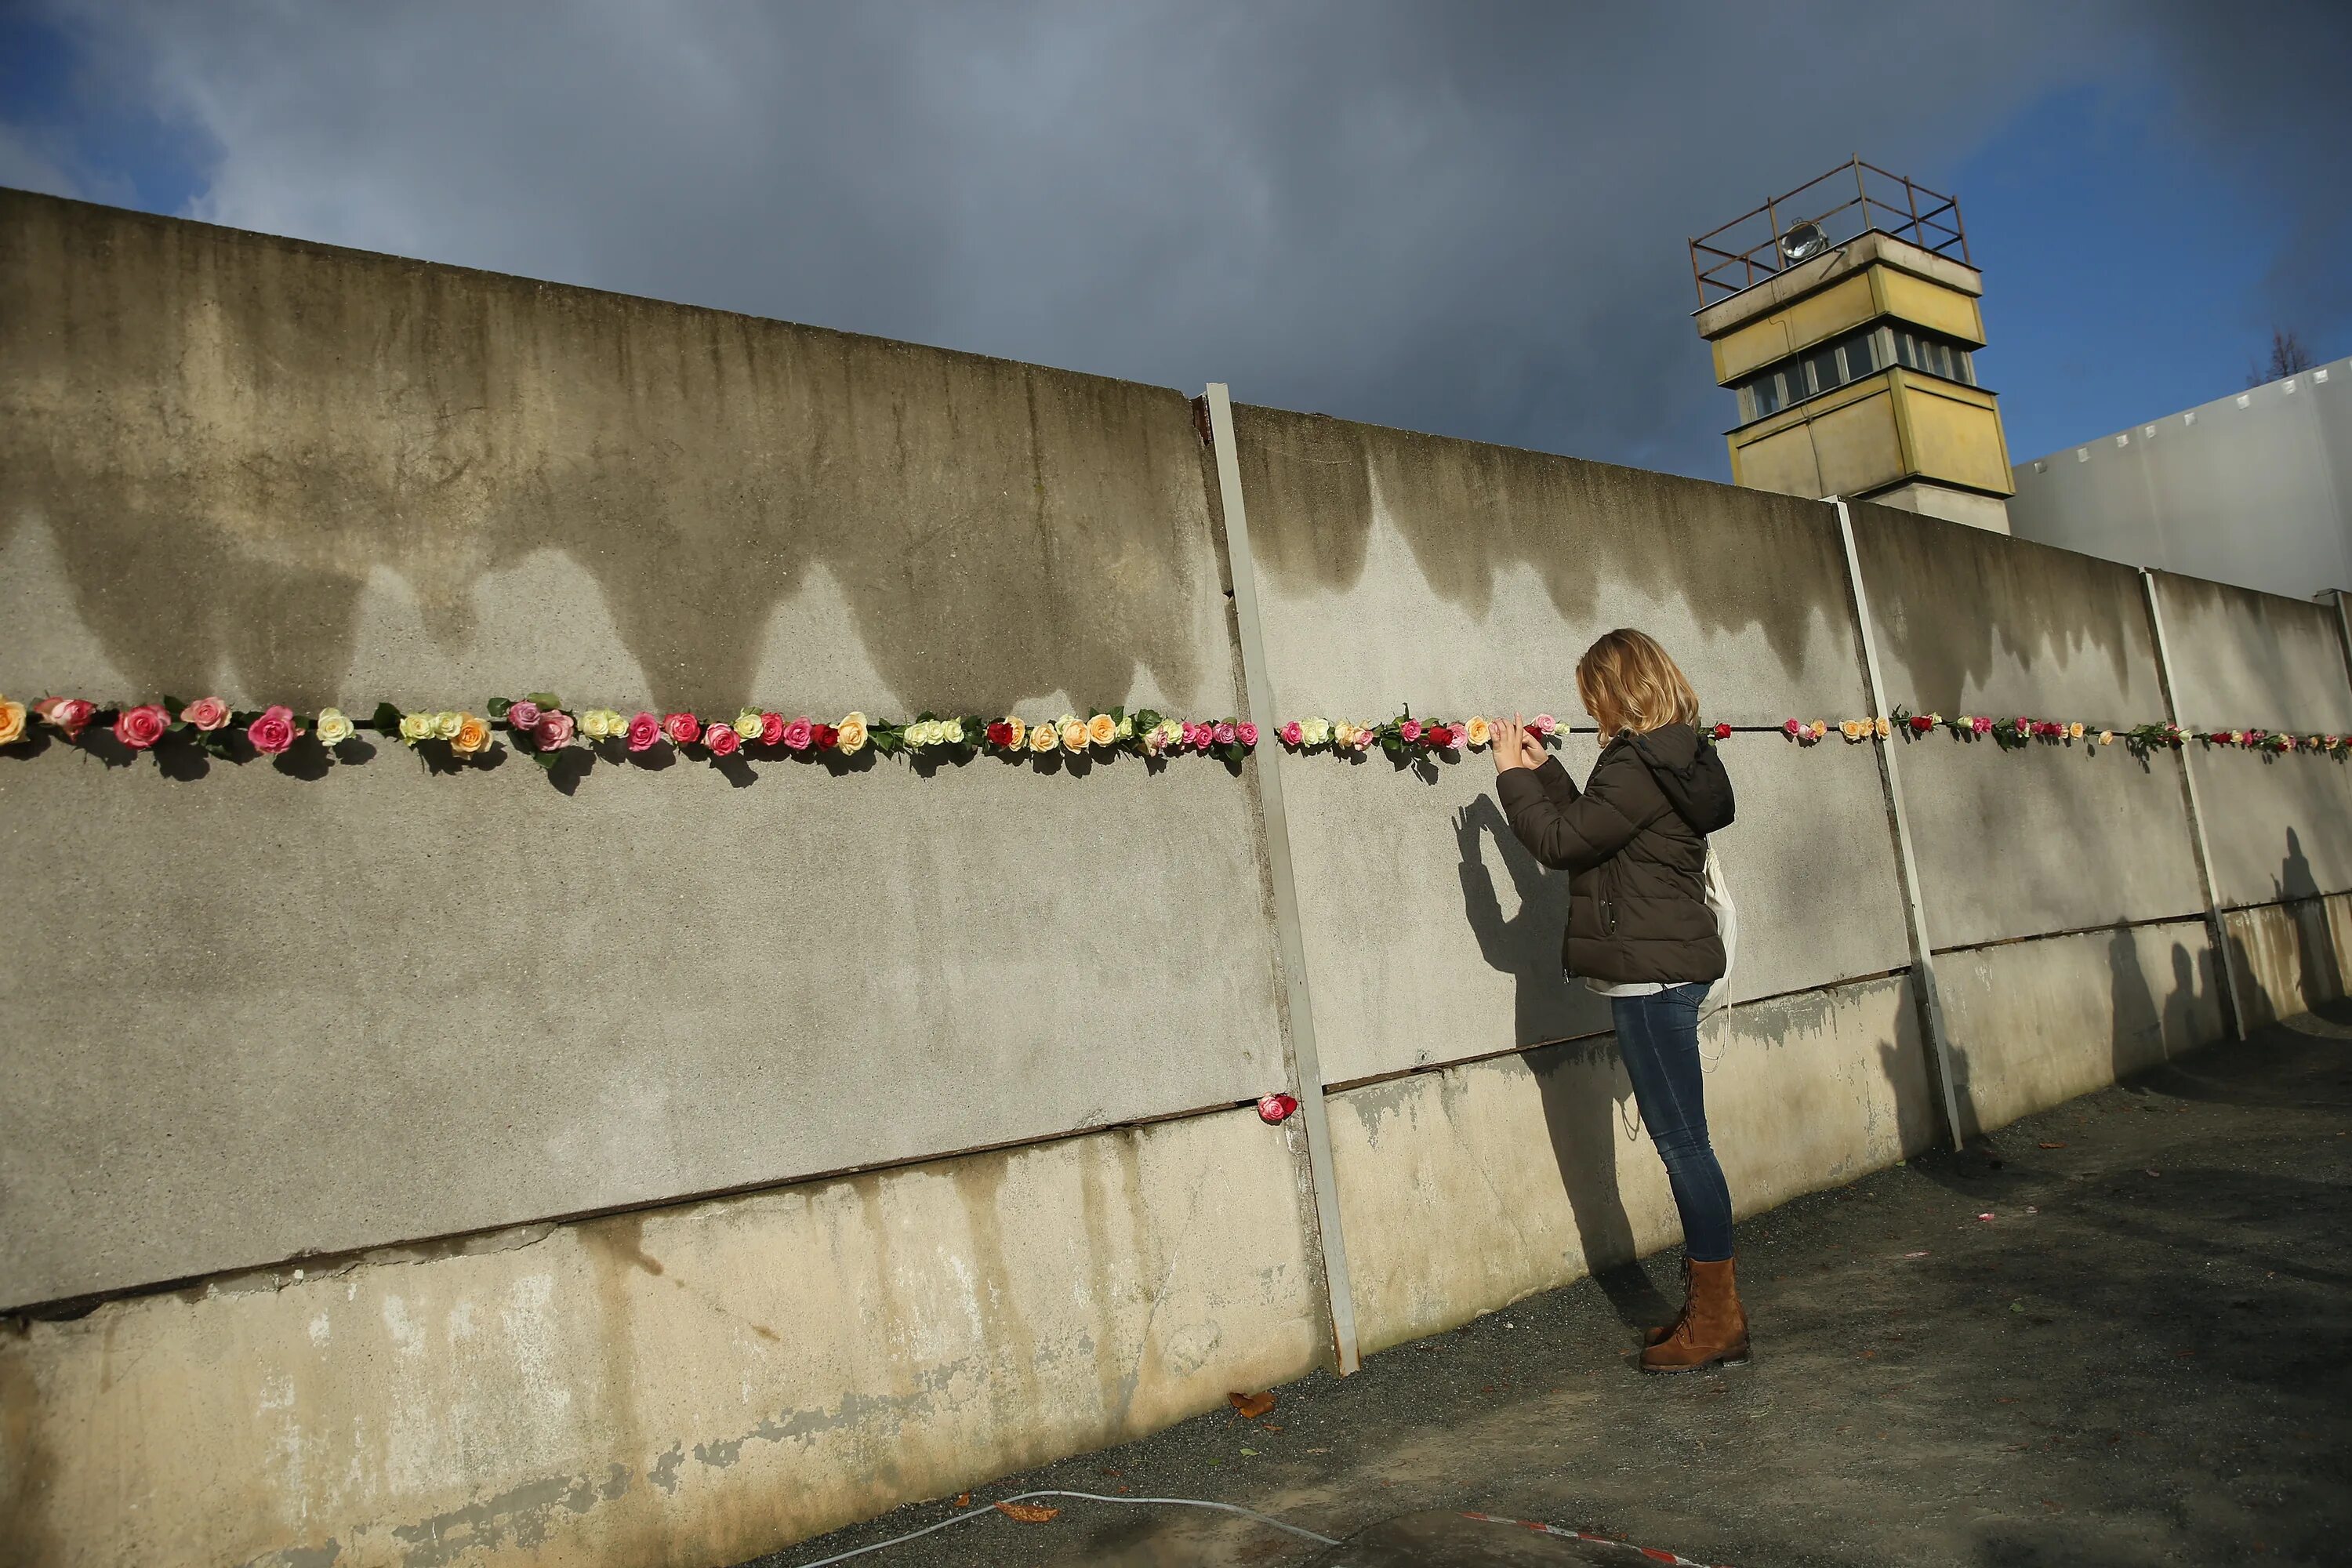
{"x":1629,"y":682}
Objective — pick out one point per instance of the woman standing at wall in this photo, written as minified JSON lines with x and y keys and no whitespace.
{"x":1641,"y":932}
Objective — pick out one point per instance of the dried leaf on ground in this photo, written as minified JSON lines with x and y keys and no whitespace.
{"x":1027,"y":1513}
{"x":963,"y":1500}
{"x":2053,"y":1145}
{"x":1251,"y":1406}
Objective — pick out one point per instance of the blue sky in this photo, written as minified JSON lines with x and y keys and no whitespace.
{"x":1470,"y":221}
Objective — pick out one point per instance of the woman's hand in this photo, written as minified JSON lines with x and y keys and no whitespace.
{"x":1509,"y":745}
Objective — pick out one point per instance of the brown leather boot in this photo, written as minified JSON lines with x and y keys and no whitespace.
{"x":1714,"y":1327}
{"x":1659,"y":1336}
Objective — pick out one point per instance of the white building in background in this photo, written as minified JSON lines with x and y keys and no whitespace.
{"x":2253,"y":488}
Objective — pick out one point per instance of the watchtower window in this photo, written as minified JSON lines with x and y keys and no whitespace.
{"x":1840,"y":361}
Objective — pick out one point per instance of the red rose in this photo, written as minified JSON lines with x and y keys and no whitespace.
{"x":772,"y":729}
{"x":140,"y":728}
{"x":827,"y":737}
{"x":1723,"y":731}
{"x":683,"y":728}
{"x":1000,"y":733}
{"x":1437,"y":736}
{"x":272,"y":732}
{"x":1922,"y":723}
{"x":644,"y":730}
{"x":1276,"y":1109}
{"x":722,"y":739}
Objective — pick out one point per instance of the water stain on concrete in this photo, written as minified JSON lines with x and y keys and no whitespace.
{"x":522,"y":1517}
{"x":1468,"y":512}
{"x":278,"y":419}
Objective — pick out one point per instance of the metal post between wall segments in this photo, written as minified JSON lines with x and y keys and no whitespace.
{"x":2225,"y":970}
{"x":1306,"y":1067}
{"x":1890,"y":778}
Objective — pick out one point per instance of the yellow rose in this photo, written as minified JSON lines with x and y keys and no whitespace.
{"x":1044,"y":738}
{"x":615,"y":725}
{"x":1850,"y":729}
{"x":2107,"y":737}
{"x":1074,"y":735}
{"x":1479,"y":730}
{"x":415,"y":727}
{"x":2073,"y":732}
{"x":852,"y":734}
{"x":473,"y":735}
{"x":1883,"y":729}
{"x":1314,"y":731}
{"x":12,"y":721}
{"x":748,"y":724}
{"x":1019,"y":731}
{"x":1126,"y":729}
{"x":335,"y":727}
{"x":1819,"y":730}
{"x":1102,"y":729}
{"x":446,"y":724}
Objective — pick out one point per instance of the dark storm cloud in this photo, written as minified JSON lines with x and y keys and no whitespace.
{"x":1461,"y":219}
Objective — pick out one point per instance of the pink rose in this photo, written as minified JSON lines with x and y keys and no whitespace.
{"x":1980,"y":725}
{"x":205,"y":713}
{"x":1192,"y":733}
{"x":799,"y":734}
{"x":721,"y":739}
{"x":644,"y":730}
{"x":1276,"y":1109}
{"x":272,"y":732}
{"x":140,"y":728}
{"x":1246,"y":733}
{"x":1224,"y":734}
{"x":772,"y":729}
{"x":1544,"y":724}
{"x":1204,"y":736}
{"x":683,"y":728}
{"x":1410,"y":729}
{"x":71,"y":714}
{"x":1793,"y":727}
{"x":523,"y":716}
{"x":1290,"y":733}
{"x":553,"y":731}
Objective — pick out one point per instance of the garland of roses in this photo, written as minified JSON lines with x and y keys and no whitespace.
{"x":540,"y":726}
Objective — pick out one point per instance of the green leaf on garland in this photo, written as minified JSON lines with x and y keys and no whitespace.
{"x":175,"y":704}
{"x":1393,"y":745}
{"x":497,"y":707}
{"x":385,"y":719}
{"x":543,"y":698}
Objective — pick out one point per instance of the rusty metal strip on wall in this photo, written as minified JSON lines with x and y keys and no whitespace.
{"x":1922,"y":956}
{"x":1305,"y":1065}
{"x":2224,"y":968}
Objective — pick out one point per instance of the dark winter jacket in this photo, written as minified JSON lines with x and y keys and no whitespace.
{"x":1633,"y":842}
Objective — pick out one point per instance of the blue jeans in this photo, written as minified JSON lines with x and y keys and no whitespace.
{"x":1658,"y":1037}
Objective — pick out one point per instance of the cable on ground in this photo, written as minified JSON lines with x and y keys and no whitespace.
{"x":989,"y":1508}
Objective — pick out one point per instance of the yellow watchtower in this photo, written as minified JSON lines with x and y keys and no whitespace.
{"x":1844,"y":315}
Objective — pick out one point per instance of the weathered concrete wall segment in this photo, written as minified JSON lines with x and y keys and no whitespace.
{"x":237,"y":463}
{"x":370,"y":1011}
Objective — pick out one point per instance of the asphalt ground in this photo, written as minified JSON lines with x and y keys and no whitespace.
{"x":2143,"y":1356}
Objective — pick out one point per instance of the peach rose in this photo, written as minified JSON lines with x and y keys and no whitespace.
{"x":205,"y":713}
{"x":12,"y":721}
{"x":473,"y":735}
{"x":1102,"y":729}
{"x":852,"y":733}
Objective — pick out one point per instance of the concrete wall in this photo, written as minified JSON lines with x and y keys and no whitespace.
{"x":242,"y":464}
{"x":1399,"y":569}
{"x":2253,"y":488}
{"x":466,"y":1159}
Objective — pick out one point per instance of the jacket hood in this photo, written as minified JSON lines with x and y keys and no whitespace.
{"x":1690,"y":773}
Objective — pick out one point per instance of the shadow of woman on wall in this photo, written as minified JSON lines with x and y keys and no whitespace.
{"x":1561,"y":1032}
